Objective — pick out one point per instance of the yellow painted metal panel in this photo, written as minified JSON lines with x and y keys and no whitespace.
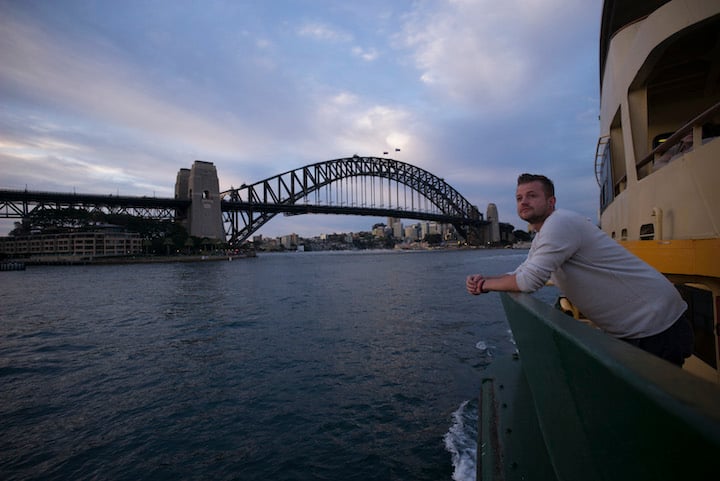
{"x":699,"y":257}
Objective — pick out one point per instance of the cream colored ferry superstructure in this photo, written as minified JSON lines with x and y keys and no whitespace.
{"x":658,"y":157}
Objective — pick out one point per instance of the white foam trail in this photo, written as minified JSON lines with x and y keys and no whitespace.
{"x":461,"y":442}
{"x":485,"y":349}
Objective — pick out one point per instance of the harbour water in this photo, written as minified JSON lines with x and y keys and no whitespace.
{"x":302,"y":366}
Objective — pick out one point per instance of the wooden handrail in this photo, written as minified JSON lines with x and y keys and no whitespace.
{"x":678,"y":135}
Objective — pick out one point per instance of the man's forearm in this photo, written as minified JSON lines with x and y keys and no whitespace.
{"x":506,"y":282}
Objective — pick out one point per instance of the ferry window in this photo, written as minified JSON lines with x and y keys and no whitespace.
{"x":700,"y":313}
{"x":617,"y":155}
{"x":623,"y":234}
{"x":613,"y":234}
{"x":647,"y":232}
{"x":206,"y":194}
{"x":710,"y":131}
{"x":659,"y":139}
{"x":603,"y":171}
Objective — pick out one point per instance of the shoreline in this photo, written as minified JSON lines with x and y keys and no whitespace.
{"x":76,"y":261}
{"x":82,"y":260}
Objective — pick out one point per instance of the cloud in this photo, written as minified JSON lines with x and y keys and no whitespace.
{"x":487,"y":54}
{"x":327,"y":34}
{"x":361,"y":126}
{"x":368,"y":55}
{"x":97,"y":82}
{"x":322,"y":32}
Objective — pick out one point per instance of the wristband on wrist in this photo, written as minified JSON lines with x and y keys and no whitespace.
{"x":482,"y":287}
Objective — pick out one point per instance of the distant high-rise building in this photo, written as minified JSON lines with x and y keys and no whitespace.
{"x":411,"y":233}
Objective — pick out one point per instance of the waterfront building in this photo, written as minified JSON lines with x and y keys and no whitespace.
{"x":397,"y":229}
{"x":396,"y":226}
{"x":380,"y":231}
{"x":429,"y":228}
{"x":289,"y":241}
{"x":90,"y":244}
{"x":411,"y":233}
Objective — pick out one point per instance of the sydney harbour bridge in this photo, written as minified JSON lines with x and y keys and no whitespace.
{"x":368,"y":186}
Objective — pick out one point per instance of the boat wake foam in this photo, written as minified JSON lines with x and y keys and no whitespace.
{"x":461,"y":442}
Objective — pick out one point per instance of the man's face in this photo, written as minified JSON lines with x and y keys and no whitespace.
{"x":533,"y":205}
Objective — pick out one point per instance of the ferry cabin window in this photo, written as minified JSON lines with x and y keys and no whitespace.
{"x":681,"y":80}
{"x":679,"y":148}
{"x":659,"y":139}
{"x":647,"y":232}
{"x":623,"y":234}
{"x":700,"y":313}
{"x":710,"y":130}
{"x":606,"y":179}
{"x":617,"y":155}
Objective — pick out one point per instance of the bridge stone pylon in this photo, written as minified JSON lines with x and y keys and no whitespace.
{"x":493,"y":236}
{"x":201,"y":186}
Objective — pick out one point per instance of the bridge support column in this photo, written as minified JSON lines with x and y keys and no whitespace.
{"x":200,"y":184}
{"x":493,"y":236}
{"x":487,"y":234}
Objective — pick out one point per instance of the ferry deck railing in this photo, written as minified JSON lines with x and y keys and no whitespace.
{"x":580,"y":404}
{"x":694,"y":124}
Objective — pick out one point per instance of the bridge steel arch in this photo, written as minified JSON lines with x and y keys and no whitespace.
{"x":249,"y":207}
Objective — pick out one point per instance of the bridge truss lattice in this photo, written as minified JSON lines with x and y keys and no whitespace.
{"x":21,"y":204}
{"x":350,"y":186}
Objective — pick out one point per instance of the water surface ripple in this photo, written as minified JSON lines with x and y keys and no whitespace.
{"x":330,"y":366}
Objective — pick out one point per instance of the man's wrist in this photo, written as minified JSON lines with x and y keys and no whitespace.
{"x":482,"y":287}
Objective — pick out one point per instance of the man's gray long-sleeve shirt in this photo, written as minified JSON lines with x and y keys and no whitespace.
{"x":615,"y":289}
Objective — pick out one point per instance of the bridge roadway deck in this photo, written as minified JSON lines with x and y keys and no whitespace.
{"x":59,"y":198}
{"x":10,"y":198}
{"x":299,"y":209}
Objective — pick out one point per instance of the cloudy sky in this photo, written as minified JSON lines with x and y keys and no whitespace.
{"x":105,"y":96}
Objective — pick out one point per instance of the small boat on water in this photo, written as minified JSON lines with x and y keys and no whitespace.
{"x":576,"y":403}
